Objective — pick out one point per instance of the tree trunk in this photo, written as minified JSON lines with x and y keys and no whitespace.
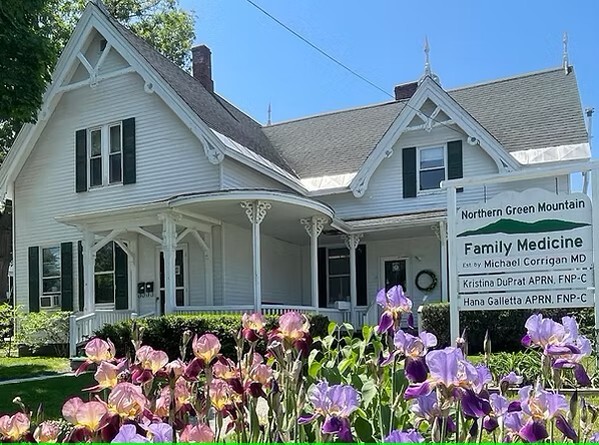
{"x":5,"y":248}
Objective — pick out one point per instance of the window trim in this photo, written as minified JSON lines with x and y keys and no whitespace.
{"x":186,"y":289}
{"x":419,"y":191}
{"x":56,"y":298}
{"x":105,"y":154}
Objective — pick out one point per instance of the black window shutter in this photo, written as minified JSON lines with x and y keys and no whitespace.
{"x":409,"y":172}
{"x":81,"y":161}
{"x":66,"y":276}
{"x":455,"y":164}
{"x":34,"y":279}
{"x":121,"y":278}
{"x":129,"y":151}
{"x":322,"y":277}
{"x":80,"y":281}
{"x":361,"y":280}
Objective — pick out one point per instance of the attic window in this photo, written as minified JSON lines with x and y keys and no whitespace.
{"x":102,"y":44}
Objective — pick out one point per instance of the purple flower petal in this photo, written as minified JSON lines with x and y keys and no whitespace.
{"x":581,"y":375}
{"x":161,"y":432}
{"x":474,"y":406}
{"x":385,"y":323}
{"x":128,"y":434}
{"x":490,"y":424}
{"x":411,"y":320}
{"x":533,"y":431}
{"x":410,"y":436}
{"x":306,"y":418}
{"x":416,"y":370}
{"x":564,"y":426}
{"x":526,"y":341}
{"x":331,"y":425}
{"x":514,"y":406}
{"x":417,"y":391}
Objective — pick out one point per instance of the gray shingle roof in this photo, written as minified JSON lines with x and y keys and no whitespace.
{"x":533,"y":110}
{"x":211,"y":108}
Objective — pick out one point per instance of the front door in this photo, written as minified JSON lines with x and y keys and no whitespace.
{"x":395,"y":272}
{"x":179,"y":280}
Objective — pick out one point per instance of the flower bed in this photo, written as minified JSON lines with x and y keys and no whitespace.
{"x":388,"y":386}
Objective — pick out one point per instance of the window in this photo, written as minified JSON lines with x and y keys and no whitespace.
{"x":105,"y":155}
{"x":338,"y":274}
{"x":180,"y":279}
{"x":431,"y":167}
{"x":51,"y":285}
{"x":104,"y":275}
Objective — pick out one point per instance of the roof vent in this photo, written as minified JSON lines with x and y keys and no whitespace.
{"x":405,"y":90}
{"x":202,"y":66}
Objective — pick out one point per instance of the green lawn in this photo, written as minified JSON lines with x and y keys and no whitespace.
{"x":22,"y":367}
{"x":50,"y":392}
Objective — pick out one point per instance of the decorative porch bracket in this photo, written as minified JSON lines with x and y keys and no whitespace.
{"x":351,"y":242}
{"x":256,"y":211}
{"x":314,"y":227}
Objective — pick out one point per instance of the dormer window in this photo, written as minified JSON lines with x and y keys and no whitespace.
{"x":431,"y":163}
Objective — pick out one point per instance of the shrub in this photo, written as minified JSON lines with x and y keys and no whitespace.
{"x":44,"y":329}
{"x":7,"y":320}
{"x":165,"y":333}
{"x":506,"y":328}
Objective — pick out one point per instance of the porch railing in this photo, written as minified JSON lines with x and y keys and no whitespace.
{"x":83,"y":327}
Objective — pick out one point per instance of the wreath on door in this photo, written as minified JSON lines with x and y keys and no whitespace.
{"x":426,"y":280}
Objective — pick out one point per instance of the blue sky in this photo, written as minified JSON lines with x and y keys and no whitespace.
{"x":255,"y":61}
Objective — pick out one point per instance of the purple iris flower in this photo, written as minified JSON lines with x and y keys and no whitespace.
{"x":541,"y":404}
{"x":426,"y":407}
{"x":161,"y":432}
{"x":499,"y":408}
{"x":573,"y":361}
{"x":414,"y":349}
{"x":474,"y":406}
{"x":511,"y":379}
{"x":410,"y":436}
{"x":394,"y":303}
{"x":335,"y":403}
{"x":594,"y":438}
{"x":128,"y":434}
{"x":555,"y":338}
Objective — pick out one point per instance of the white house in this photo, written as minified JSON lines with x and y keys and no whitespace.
{"x":141,"y":190}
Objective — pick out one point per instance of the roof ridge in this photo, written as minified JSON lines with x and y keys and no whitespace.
{"x":506,"y":78}
{"x":328,"y":113}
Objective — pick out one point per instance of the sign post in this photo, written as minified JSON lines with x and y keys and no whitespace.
{"x":534,"y":249}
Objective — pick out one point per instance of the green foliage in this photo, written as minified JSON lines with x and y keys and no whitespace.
{"x":39,"y":329}
{"x":526,"y":364}
{"x":165,"y":333}
{"x":7,"y":321}
{"x":506,"y":328}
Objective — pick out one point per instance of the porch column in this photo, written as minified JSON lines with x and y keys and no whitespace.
{"x":314,"y":228}
{"x":89,"y":266}
{"x":352,"y":241}
{"x":256,"y":211}
{"x":169,"y":248}
{"x":441,"y":233}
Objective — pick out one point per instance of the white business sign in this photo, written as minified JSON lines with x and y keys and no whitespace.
{"x":532,"y":249}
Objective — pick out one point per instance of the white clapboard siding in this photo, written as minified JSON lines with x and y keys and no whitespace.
{"x":281,"y":268}
{"x":384,"y":195}
{"x":239,"y":176}
{"x":170,"y":161}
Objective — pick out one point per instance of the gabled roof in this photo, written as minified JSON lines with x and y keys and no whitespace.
{"x":533,"y":110}
{"x":215,"y":111}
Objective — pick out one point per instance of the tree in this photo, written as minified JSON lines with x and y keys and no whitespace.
{"x":32,"y":35}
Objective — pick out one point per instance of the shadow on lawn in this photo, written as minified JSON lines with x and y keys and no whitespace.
{"x":25,"y":371}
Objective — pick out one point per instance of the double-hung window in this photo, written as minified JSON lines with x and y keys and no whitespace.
{"x":51,"y":284}
{"x":105,"y":155}
{"x":431,"y":167}
{"x":338,"y":274}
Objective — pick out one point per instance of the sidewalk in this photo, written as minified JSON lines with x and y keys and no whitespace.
{"x":39,"y":377}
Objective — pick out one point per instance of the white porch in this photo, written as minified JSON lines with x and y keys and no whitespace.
{"x":245,"y":251}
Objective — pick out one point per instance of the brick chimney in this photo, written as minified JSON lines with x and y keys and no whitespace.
{"x":201,"y":58}
{"x":405,"y":90}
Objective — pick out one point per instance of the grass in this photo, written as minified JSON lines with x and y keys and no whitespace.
{"x":23,"y":367}
{"x":52,"y":393}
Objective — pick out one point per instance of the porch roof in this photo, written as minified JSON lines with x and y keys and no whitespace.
{"x":282,"y":219}
{"x":404,"y":220}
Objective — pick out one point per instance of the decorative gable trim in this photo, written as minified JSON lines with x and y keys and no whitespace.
{"x":94,"y":19}
{"x":429,"y":89}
